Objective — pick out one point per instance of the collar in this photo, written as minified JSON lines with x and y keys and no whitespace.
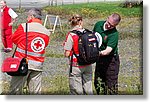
{"x":77,"y":27}
{"x":2,"y":9}
{"x":35,"y":20}
{"x":104,"y":28}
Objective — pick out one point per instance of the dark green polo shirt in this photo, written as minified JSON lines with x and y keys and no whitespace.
{"x":109,"y":37}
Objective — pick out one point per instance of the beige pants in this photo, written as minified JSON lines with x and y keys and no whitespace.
{"x":80,"y":81}
{"x":23,"y":84}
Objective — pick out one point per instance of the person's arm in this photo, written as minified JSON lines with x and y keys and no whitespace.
{"x":13,"y":16}
{"x":106,"y":51}
{"x":18,"y":35}
{"x":112,"y":43}
{"x":67,"y":53}
{"x":68,"y":45}
{"x":11,"y":23}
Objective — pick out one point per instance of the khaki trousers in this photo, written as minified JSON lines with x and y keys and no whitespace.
{"x":29,"y":84}
{"x":80,"y":81}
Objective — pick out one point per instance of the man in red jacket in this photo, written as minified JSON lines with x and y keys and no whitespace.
{"x":38,"y":39}
{"x":6,"y":25}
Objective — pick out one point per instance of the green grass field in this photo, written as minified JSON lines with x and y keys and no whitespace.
{"x":94,"y":10}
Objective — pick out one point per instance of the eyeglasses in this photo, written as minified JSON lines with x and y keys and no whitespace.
{"x":110,"y":24}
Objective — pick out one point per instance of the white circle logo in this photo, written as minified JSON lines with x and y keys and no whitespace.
{"x":38,"y":44}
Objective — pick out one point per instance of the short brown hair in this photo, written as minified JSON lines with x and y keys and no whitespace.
{"x":116,"y":17}
{"x":74,"y":20}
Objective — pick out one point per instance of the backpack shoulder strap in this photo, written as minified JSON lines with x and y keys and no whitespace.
{"x":87,"y":31}
{"x":79,"y":33}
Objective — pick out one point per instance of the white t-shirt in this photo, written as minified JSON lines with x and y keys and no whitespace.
{"x":11,"y":13}
{"x":99,"y":39}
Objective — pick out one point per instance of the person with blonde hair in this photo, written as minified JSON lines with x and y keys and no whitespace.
{"x":80,"y":78}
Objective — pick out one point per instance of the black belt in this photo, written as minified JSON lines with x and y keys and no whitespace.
{"x":109,"y":56}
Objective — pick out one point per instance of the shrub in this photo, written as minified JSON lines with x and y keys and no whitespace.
{"x":130,"y":4}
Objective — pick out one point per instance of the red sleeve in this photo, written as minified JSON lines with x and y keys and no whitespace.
{"x":18,"y":35}
{"x":47,"y":41}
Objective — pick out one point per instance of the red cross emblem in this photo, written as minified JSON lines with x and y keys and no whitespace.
{"x":38,"y":44}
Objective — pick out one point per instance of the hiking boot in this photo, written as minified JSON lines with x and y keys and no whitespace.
{"x":7,"y":50}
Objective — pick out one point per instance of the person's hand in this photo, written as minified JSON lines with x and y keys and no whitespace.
{"x":99,"y":53}
{"x":10,"y":24}
{"x":67,"y":53}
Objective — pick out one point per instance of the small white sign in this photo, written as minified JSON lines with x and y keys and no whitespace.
{"x":13,"y":66}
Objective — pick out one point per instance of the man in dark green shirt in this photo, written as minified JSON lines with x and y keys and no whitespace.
{"x":107,"y":68}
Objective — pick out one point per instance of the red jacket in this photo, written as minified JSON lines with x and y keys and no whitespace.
{"x":38,"y":39}
{"x":6,"y":18}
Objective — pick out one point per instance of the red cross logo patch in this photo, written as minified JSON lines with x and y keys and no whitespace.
{"x":37,"y":44}
{"x":105,"y":37}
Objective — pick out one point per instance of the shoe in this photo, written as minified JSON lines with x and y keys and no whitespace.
{"x":7,"y":50}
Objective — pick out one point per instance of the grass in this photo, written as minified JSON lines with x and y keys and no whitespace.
{"x":58,"y":85}
{"x":54,"y":55}
{"x":130,"y":85}
{"x":94,"y":10}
